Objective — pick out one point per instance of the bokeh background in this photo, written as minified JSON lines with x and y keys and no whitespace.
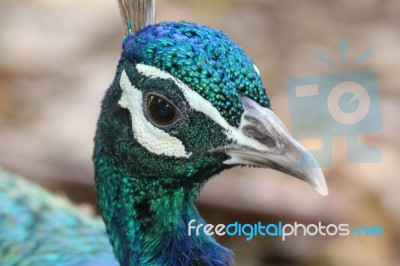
{"x":57,"y":58}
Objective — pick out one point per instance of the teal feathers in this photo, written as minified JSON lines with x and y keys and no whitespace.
{"x":205,"y":59}
{"x":37,"y":228}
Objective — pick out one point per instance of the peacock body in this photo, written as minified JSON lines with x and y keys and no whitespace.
{"x":186,"y":103}
{"x":38,"y":228}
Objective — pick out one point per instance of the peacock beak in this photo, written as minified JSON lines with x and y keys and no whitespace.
{"x":262,"y":140}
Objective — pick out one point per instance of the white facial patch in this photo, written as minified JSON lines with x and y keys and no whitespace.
{"x":198,"y":103}
{"x":152,"y":138}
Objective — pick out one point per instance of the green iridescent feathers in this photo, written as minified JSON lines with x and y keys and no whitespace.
{"x":37,"y":228}
{"x":146,"y":198}
{"x":205,"y":59}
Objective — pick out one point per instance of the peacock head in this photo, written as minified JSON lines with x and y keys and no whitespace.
{"x":187,"y":103}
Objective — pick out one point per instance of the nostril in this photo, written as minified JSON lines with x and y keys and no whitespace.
{"x":255,"y":133}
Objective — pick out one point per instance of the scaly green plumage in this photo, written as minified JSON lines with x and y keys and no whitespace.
{"x":204,"y":58}
{"x":146,"y":199}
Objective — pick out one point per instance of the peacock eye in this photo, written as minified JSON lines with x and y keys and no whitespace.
{"x":161,"y":111}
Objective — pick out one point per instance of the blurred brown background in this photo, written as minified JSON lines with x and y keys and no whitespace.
{"x":57,"y":58}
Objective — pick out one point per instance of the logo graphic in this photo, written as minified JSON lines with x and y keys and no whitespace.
{"x":337,"y":104}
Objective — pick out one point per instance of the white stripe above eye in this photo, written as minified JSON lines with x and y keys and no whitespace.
{"x":198,"y":103}
{"x":152,"y":138}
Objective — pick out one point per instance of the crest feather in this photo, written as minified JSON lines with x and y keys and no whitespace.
{"x":137,"y":14}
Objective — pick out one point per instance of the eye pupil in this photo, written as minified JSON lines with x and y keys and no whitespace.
{"x":161,"y":111}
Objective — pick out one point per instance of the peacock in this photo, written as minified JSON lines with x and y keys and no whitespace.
{"x":186,"y":103}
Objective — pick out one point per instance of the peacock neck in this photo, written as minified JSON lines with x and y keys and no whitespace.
{"x":149,"y":225}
